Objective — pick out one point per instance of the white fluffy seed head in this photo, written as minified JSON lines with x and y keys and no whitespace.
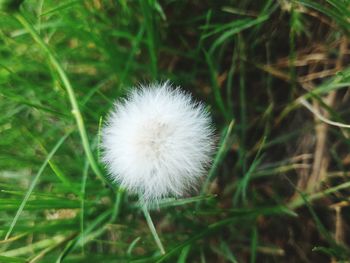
{"x":157,"y":142}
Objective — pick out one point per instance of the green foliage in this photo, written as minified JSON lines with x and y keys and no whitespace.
{"x":10,"y":6}
{"x":62,"y":65}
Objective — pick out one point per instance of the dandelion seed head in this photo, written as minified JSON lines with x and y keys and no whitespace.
{"x":157,"y":142}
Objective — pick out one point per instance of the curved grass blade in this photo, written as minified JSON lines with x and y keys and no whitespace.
{"x":219,"y":156}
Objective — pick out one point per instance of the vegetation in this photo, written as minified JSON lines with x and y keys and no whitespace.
{"x":275,"y":76}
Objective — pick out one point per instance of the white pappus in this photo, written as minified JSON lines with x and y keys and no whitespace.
{"x":157,"y":142}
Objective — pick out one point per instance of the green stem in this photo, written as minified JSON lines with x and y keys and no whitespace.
{"x":301,"y":201}
{"x":117,"y":205}
{"x":66,"y":83}
{"x":153,"y":229}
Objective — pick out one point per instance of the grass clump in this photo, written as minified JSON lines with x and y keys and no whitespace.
{"x":275,"y":75}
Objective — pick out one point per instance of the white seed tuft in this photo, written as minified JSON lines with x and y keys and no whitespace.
{"x":157,"y":142}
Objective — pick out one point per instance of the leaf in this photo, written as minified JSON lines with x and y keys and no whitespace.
{"x":34,"y":182}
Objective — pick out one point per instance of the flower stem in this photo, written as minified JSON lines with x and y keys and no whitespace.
{"x":153,"y":229}
{"x":67,"y":85}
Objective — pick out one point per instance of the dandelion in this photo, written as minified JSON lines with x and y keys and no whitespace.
{"x":157,"y":142}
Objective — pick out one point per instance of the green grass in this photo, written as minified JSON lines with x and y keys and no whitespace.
{"x":266,"y":69}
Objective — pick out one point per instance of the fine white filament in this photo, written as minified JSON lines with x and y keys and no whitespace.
{"x":157,"y":142}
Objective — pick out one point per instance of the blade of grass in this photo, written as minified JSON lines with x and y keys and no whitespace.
{"x":216,"y":89}
{"x":237,"y":27}
{"x":227,"y":253}
{"x":29,"y":248}
{"x":219,"y":225}
{"x":219,"y":156}
{"x":132,"y":245}
{"x":341,"y":251}
{"x":34,"y":182}
{"x":149,"y":23}
{"x":82,"y":238}
{"x":184,"y":254}
{"x":300,"y":202}
{"x":72,"y":98}
{"x":242,"y":162}
{"x":253,"y":245}
{"x":82,"y":203}
{"x":241,"y":190}
{"x":12,"y":260}
{"x":330,"y":12}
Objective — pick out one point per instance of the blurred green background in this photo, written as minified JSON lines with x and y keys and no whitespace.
{"x":274,"y":75}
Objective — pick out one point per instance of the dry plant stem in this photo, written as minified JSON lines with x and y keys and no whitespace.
{"x":339,"y":228}
{"x":303,"y":174}
{"x":153,"y":229}
{"x":321,"y":159}
{"x":66,"y":83}
{"x":320,"y":163}
{"x":320,"y":116}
